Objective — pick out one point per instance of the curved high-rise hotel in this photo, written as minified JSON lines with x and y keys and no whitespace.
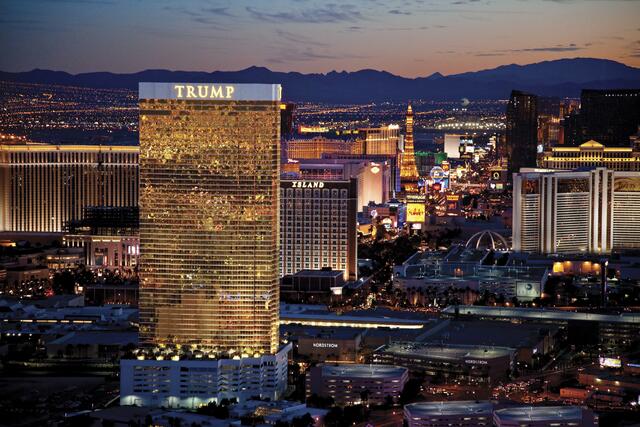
{"x":44,"y":187}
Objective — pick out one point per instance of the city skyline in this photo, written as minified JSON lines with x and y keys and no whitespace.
{"x":413,"y":38}
{"x":297,"y":213}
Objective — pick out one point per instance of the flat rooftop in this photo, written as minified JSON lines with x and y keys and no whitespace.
{"x":539,"y":413}
{"x":489,"y":333}
{"x":363,"y":371}
{"x":463,"y":254}
{"x":121,"y":338}
{"x":348,"y":321}
{"x":609,"y":376}
{"x":425,"y":257}
{"x":453,"y":353}
{"x":319,"y":273}
{"x":300,"y":331}
{"x":321,"y":317}
{"x":457,"y":272}
{"x":542,"y":314}
{"x":460,"y":407}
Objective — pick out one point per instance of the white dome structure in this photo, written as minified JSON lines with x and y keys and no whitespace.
{"x":487,"y":240}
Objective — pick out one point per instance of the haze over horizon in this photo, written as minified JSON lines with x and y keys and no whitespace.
{"x":409,"y":38}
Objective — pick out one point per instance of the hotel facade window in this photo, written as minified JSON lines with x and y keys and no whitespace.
{"x":592,"y":211}
{"x":209,"y":224}
{"x":43,"y":187}
{"x":317,"y":226}
{"x":592,"y":154}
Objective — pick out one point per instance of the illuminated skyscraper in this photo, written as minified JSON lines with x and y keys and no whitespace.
{"x":408,"y":170}
{"x":318,"y":226}
{"x":209,"y":243}
{"x":209,"y":220}
{"x":316,"y":147}
{"x":381,"y":140}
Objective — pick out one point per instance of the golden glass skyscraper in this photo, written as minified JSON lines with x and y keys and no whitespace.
{"x":209,"y":217}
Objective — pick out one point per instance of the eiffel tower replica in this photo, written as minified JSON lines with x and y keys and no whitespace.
{"x":409,"y":176}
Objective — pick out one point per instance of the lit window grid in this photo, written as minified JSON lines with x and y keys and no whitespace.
{"x":314,"y":230}
{"x":45,"y":186}
{"x":209,"y":225}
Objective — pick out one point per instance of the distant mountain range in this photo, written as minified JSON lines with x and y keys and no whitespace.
{"x":563,"y":77}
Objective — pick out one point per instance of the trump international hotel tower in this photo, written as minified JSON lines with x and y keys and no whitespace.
{"x":209,"y":236}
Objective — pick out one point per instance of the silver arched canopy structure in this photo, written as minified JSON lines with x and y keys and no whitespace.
{"x":488,"y":240}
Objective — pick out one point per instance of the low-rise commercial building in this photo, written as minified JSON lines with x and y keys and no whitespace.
{"x":95,"y":345}
{"x":531,"y":340}
{"x":191,"y":380}
{"x":545,"y":416}
{"x":357,"y":384}
{"x":609,"y":330}
{"x":601,"y":380}
{"x":340,"y":345}
{"x":470,"y":364}
{"x":321,"y":317}
{"x":323,"y":344}
{"x":452,"y":413}
{"x":276,"y":411}
{"x":481,"y":268}
{"x":312,"y":286}
{"x":122,"y":293}
{"x":23,"y":273}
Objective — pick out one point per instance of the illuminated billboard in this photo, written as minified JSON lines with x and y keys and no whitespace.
{"x":437,"y":174}
{"x":415,"y":212}
{"x":527,"y":291}
{"x":610,"y":362}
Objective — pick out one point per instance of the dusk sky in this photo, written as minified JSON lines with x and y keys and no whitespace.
{"x":407,"y":37}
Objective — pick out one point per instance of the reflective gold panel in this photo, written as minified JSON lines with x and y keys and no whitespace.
{"x":209,"y":206}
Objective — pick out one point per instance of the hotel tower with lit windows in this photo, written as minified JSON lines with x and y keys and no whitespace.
{"x":209,"y":246}
{"x":593,"y":210}
{"x":44,"y":187}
